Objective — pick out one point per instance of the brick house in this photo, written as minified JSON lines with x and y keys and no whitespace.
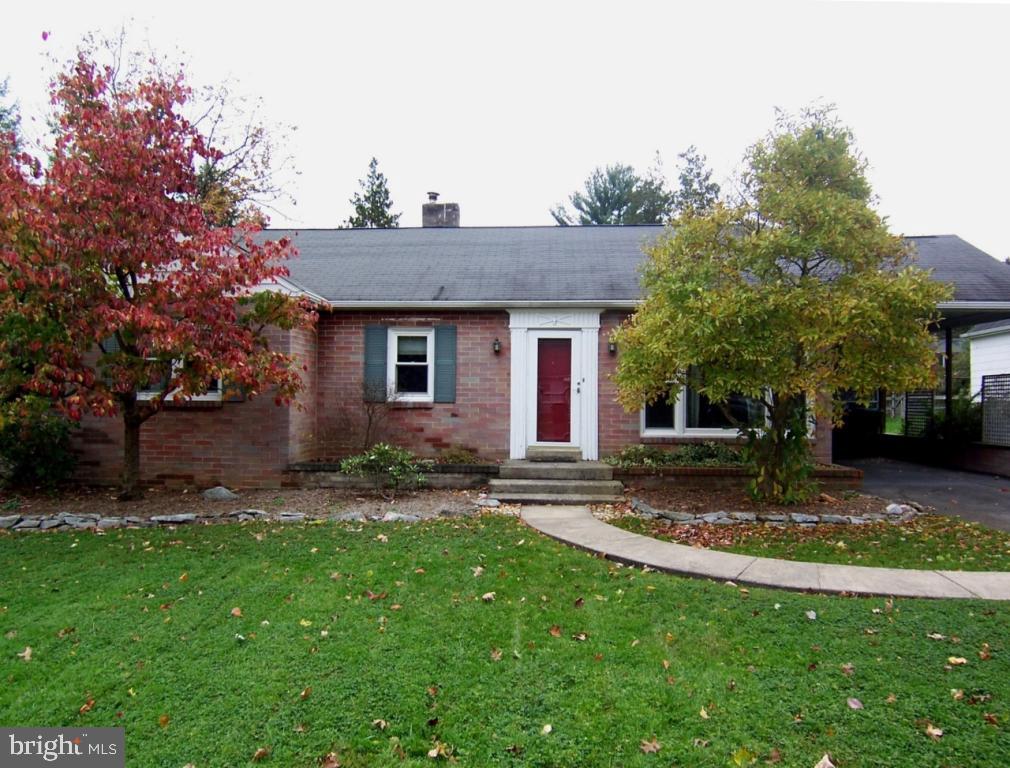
{"x":492,"y":339}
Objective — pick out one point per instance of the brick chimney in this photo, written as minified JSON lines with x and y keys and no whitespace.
{"x":436,"y":214}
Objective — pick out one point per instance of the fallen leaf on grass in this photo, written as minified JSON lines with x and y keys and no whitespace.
{"x":87,"y":706}
{"x":380,"y":724}
{"x":439,"y":750}
{"x":382,"y":538}
{"x":236,"y":612}
{"x":66,"y":631}
{"x":306,"y":692}
{"x":933,"y":732}
{"x":184,"y":577}
{"x":579,"y":603}
{"x":666,"y":663}
{"x":990,"y":718}
{"x":478,"y":571}
{"x":262,"y":753}
{"x":546,"y":729}
{"x":956,"y":661}
{"x":744,"y":756}
{"x":812,"y":615}
{"x":419,"y":570}
{"x":580,"y":636}
{"x":330,"y":760}
{"x":956,"y":694}
{"x":825,"y":762}
{"x":985,"y":653}
{"x":395,"y":607}
{"x":26,"y":654}
{"x":891,"y":698}
{"x":936,"y":636}
{"x":487,"y":597}
{"x":775,"y":756}
{"x":496,"y":654}
{"x":848,"y":669}
{"x":855,"y":704}
{"x":555,"y":631}
{"x":703,"y":713}
{"x":375,"y":595}
{"x":701,"y":743}
{"x":650,"y":747}
{"x":164,"y":720}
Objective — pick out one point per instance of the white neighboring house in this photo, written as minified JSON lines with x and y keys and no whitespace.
{"x":990,"y":351}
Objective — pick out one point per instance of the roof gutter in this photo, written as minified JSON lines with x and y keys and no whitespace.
{"x":613,"y":304}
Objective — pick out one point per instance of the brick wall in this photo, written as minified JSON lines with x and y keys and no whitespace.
{"x":478,"y":420}
{"x":248,"y":443}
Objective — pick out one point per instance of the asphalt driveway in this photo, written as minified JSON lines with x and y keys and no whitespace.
{"x":982,"y":498}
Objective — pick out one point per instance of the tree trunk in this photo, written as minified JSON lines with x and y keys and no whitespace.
{"x":781,"y":452}
{"x":131,"y":451}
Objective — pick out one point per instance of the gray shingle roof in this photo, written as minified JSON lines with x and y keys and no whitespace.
{"x":501,"y":265}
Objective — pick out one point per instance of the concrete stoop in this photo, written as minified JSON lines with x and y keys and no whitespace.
{"x":556,"y":482}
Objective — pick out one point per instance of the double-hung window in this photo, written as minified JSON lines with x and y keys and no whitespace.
{"x":160,"y":378}
{"x":410,"y":369}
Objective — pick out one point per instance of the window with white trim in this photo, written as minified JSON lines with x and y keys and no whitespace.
{"x":410,"y":372}
{"x":155,"y":386}
{"x":659,"y":419}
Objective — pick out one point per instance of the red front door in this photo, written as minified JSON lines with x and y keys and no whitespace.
{"x":554,"y":391}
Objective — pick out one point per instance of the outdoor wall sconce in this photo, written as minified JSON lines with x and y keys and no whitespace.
{"x":496,"y":346}
{"x":612,"y":348}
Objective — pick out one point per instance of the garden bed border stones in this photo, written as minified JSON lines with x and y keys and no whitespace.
{"x":319,"y":474}
{"x":893,"y":513}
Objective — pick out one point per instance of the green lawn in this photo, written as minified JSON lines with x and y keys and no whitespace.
{"x":931,"y":541}
{"x":894,"y":425}
{"x":141,"y":622}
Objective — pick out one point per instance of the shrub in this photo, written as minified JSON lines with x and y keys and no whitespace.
{"x":386,"y":466}
{"x":962,"y":426}
{"x":35,"y":448}
{"x":458,"y":456}
{"x":707,"y":454}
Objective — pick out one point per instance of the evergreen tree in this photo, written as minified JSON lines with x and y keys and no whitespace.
{"x":618,"y":195}
{"x":697,"y":190}
{"x":372,"y":205}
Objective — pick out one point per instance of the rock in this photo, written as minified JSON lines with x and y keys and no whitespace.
{"x":835,"y":519}
{"x":799,"y":517}
{"x":79,"y":522}
{"x":711,"y":517}
{"x":291,"y":517}
{"x":50,"y":522}
{"x":27,"y":524}
{"x":675,"y":516}
{"x":770,"y":517}
{"x":900,"y":509}
{"x":643,"y":509}
{"x":134,"y":520}
{"x":396,"y":517}
{"x":906,"y":517}
{"x":457,"y":511}
{"x":916,"y":506}
{"x":724,"y":521}
{"x":744,"y":517}
{"x":219,"y":493}
{"x":110,"y":522}
{"x":9,"y":521}
{"x":183,"y":517}
{"x":485,"y":503}
{"x":858,"y":520}
{"x":353,"y":516}
{"x":249,"y":514}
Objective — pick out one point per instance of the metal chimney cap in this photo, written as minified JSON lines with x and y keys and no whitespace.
{"x":433,"y":197}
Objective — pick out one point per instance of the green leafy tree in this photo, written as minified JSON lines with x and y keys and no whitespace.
{"x":10,"y":117}
{"x":798,"y":290}
{"x":617,"y":194}
{"x":372,"y":205}
{"x":697,"y":190}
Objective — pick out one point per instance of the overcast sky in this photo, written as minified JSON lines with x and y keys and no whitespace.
{"x":505,"y":108}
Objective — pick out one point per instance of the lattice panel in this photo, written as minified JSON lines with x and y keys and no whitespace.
{"x":918,"y":412}
{"x":996,"y":409}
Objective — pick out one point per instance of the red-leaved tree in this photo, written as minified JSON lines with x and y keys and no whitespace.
{"x":121,"y":274}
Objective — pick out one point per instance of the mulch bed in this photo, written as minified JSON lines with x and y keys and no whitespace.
{"x":701,"y":500}
{"x":314,"y":502}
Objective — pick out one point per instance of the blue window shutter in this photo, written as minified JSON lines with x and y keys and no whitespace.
{"x":375,"y":363}
{"x":445,"y":363}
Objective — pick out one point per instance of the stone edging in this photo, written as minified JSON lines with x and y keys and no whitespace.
{"x":893,"y":513}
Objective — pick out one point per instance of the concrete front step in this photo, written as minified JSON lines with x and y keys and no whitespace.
{"x":503,"y":488}
{"x":546,"y":470}
{"x":546,"y":453}
{"x":558,"y":498}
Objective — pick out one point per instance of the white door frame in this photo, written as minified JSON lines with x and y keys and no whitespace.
{"x":583,"y":327}
{"x":533,"y":371}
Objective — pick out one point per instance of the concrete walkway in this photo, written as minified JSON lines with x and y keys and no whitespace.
{"x":578,"y":527}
